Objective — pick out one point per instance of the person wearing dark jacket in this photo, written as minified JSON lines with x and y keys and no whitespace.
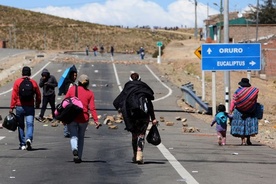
{"x":48,"y":83}
{"x":136,"y":125}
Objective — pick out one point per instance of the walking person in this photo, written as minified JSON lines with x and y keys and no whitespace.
{"x":95,"y":50}
{"x":142,"y":53}
{"x":135,"y":122}
{"x":102,"y":50}
{"x":48,"y":83}
{"x":24,"y":95}
{"x":243,"y":107}
{"x":69,"y":82}
{"x":221,"y":124}
{"x":78,"y":127}
{"x":87,"y":50}
{"x":112,"y":51}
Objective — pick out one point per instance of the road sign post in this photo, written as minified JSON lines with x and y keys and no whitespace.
{"x":159,"y":45}
{"x":198,"y":54}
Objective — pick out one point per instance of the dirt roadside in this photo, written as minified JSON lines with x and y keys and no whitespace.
{"x":180,"y":65}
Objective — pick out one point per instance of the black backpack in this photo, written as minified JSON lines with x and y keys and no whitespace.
{"x":26,"y":90}
{"x":138,"y":105}
{"x":69,"y":108}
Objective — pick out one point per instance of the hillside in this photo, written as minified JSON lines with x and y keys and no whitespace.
{"x":24,"y":29}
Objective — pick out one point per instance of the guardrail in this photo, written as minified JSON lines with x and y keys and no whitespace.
{"x":190,"y":97}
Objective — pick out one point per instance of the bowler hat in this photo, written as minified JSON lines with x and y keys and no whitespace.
{"x":244,"y":82}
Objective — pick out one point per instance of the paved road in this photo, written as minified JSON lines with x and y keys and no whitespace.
{"x":181,"y":158}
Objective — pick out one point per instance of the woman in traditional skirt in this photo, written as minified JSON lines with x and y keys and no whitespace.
{"x":243,"y":107}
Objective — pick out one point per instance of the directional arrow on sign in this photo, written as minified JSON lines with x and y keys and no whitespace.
{"x":252,"y":63}
{"x":209,"y":51}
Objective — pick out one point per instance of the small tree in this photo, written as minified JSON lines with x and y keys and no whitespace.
{"x":267,"y":12}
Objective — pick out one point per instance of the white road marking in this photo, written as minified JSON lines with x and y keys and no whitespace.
{"x":2,"y":137}
{"x":117,"y":77}
{"x":5,"y":92}
{"x":185,"y":175}
{"x":170,"y":91}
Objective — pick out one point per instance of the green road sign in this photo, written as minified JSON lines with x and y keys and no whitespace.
{"x":159,"y":44}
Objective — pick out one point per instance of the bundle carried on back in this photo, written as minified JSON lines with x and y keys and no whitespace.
{"x":246,"y":99}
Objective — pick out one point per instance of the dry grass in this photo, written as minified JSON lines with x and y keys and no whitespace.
{"x":30,"y":30}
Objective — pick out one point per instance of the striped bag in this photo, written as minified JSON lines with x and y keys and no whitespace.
{"x":246,"y":99}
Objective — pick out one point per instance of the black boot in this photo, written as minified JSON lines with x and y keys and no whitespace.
{"x":248,"y":142}
{"x":134,"y":147}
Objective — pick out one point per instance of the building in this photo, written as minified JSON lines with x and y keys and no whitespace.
{"x":244,"y":30}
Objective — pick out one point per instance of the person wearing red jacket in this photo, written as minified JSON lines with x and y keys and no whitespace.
{"x":78,"y":127}
{"x":25,"y":109}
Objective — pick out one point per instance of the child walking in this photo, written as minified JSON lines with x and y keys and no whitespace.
{"x":221,"y":120}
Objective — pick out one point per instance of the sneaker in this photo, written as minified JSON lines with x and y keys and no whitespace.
{"x":22,"y":147}
{"x":76,"y":156}
{"x":139,"y":157}
{"x":29,"y":144}
{"x":40,"y":119}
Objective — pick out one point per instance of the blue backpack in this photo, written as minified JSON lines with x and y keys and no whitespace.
{"x":221,"y":118}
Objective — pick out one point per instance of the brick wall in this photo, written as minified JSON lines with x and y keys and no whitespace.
{"x":243,"y":32}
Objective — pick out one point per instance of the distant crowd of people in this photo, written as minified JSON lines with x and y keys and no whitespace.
{"x":101,"y":51}
{"x":96,"y":50}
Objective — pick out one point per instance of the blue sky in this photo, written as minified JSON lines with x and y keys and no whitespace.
{"x":130,"y":12}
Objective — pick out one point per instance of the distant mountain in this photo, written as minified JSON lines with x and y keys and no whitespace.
{"x":24,"y":29}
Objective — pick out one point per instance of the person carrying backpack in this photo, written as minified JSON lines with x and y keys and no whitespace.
{"x":135,"y":104}
{"x":221,"y":120}
{"x":48,"y":83}
{"x":78,"y":126}
{"x":25,"y":98}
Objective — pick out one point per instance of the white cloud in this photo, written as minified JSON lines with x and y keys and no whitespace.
{"x":134,"y":12}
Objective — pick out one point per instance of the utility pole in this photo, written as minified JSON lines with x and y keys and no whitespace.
{"x":226,"y":40}
{"x":44,"y":40}
{"x":10,"y":39}
{"x":196,"y":19}
{"x":257,"y":21}
{"x":14,"y":35}
{"x":76,"y":41}
{"x":207,"y":26}
{"x":221,"y":11}
{"x":220,"y":18}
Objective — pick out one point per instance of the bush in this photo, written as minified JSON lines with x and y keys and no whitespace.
{"x":156,"y":52}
